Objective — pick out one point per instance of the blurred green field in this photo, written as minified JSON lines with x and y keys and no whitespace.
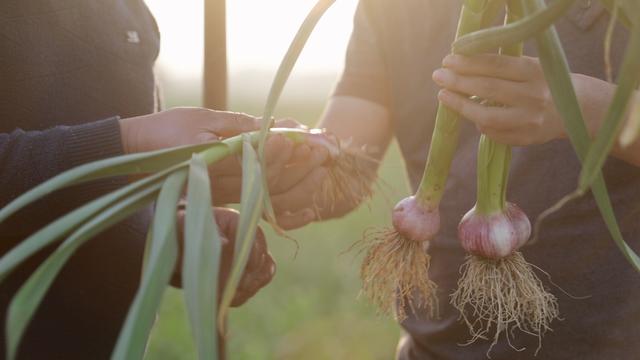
{"x":310,"y":310}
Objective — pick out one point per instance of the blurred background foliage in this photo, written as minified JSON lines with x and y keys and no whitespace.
{"x":311,"y":309}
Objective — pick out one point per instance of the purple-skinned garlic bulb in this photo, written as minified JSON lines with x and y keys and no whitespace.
{"x":415,"y":221}
{"x":494,"y":236}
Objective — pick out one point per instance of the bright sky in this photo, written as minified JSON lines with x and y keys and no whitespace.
{"x":258,"y":34}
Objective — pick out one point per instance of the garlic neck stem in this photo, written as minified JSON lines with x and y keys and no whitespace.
{"x":494,"y":158}
{"x":444,"y":140}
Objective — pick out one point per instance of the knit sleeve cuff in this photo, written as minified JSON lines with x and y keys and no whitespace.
{"x":90,"y":142}
{"x":94,"y":141}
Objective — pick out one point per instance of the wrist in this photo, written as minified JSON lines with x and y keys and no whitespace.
{"x":127,"y":135}
{"x":594,"y":96}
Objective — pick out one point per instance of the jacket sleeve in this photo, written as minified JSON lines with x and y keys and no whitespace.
{"x":28,"y":158}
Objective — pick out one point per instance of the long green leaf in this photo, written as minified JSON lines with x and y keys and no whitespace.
{"x":484,"y":40}
{"x":201,"y":261}
{"x":491,"y":12}
{"x":557,"y":73}
{"x":631,"y":9}
{"x":627,"y":81}
{"x":162,"y":259}
{"x":141,"y":163}
{"x":147,"y":249}
{"x":251,"y":202}
{"x":622,"y":16}
{"x":68,"y":222}
{"x":284,"y":70}
{"x":28,"y":298}
{"x":286,"y":66}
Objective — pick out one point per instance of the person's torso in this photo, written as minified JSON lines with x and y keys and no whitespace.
{"x":574,"y":246}
{"x":68,"y":62}
{"x":65,"y":62}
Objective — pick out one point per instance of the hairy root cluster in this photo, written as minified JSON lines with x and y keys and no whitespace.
{"x":350,"y":181}
{"x":394,"y":273}
{"x":502,"y":296}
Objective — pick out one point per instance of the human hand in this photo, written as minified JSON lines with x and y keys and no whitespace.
{"x":332,"y":190}
{"x":526,"y":114}
{"x":295,"y":188}
{"x":182,"y":126}
{"x":260,"y":267}
{"x":287,"y":164}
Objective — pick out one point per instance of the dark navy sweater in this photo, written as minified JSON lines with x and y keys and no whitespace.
{"x":68,"y":70}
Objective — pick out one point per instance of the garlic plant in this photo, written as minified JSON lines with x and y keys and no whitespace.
{"x":495,"y":229}
{"x":498,"y":290}
{"x":396,"y":263}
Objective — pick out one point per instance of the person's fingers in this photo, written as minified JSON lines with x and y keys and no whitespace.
{"x":258,"y":272}
{"x":260,"y":267}
{"x":226,"y":124}
{"x":293,"y":171}
{"x":227,"y":221}
{"x":288,"y":123}
{"x":206,"y":136}
{"x":302,"y":194}
{"x":278,"y":148}
{"x":291,"y":221}
{"x":226,"y":175}
{"x":278,"y":152}
{"x":484,"y":117}
{"x":230,"y":166}
{"x":496,"y":90}
{"x":257,"y":254}
{"x":304,"y":159}
{"x":226,"y":189}
{"x":250,"y":285}
{"x":515,"y":68}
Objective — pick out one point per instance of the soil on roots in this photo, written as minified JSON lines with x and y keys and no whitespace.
{"x":394,"y":274}
{"x":503,"y":296}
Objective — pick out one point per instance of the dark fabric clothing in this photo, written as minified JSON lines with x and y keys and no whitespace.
{"x":395,"y":46}
{"x":27,"y":158}
{"x":64,"y":66}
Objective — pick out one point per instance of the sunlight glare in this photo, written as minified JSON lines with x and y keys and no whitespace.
{"x":258,"y":34}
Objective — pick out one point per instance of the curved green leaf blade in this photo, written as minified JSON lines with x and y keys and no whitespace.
{"x":252,"y":199}
{"x":286,"y":66}
{"x":68,"y":222}
{"x":161,"y":262}
{"x":147,"y":249}
{"x":627,"y":81}
{"x":284,"y":70}
{"x":201,"y":261}
{"x":556,"y":70}
{"x":518,"y":31}
{"x":141,"y":163}
{"x":28,"y":298}
{"x":631,"y":9}
{"x":622,"y":16}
